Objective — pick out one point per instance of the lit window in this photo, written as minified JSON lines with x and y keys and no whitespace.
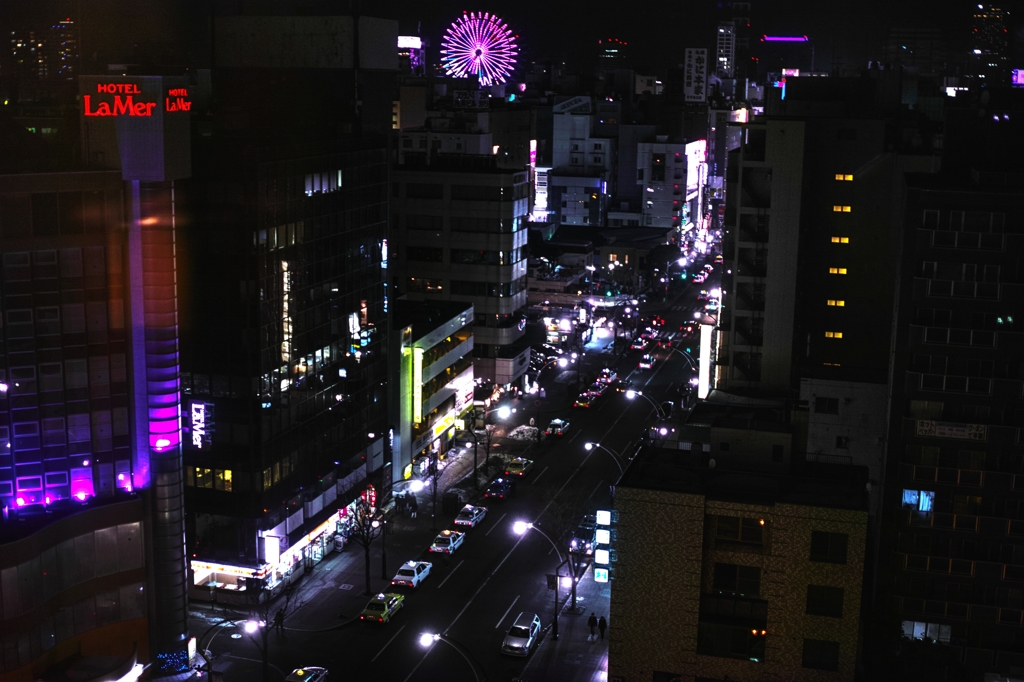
{"x":833,"y":335}
{"x":922,"y":500}
{"x":841,"y":209}
{"x":837,"y":271}
{"x":840,"y":240}
{"x":836,"y":303}
{"x":844,"y":176}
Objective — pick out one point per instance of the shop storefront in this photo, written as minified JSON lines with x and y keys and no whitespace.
{"x":227,"y":583}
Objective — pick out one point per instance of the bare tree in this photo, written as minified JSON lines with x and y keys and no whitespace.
{"x":366,"y":528}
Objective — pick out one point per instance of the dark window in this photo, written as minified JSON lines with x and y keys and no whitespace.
{"x":16,"y":215}
{"x":71,"y":213}
{"x":847,"y":134}
{"x":425,"y":254}
{"x":741,"y":530}
{"x":741,"y":580}
{"x":724,"y":447}
{"x":476,"y":193}
{"x":44,"y":215}
{"x":778,"y":452}
{"x":826,"y":405}
{"x":825,"y":601}
{"x":821,"y":655}
{"x":657,"y":168}
{"x":640,"y":174}
{"x":843,"y":442}
{"x":828,"y":547}
{"x":417,"y":190}
{"x":424,"y":285}
{"x":424,"y":222}
{"x":730,"y":641}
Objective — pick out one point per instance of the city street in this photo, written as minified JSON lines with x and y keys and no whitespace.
{"x":474,"y":595}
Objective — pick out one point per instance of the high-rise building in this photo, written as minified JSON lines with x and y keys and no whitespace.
{"x":91,"y":468}
{"x":285,"y":306}
{"x":461,"y":237}
{"x":950,"y":567}
{"x":765,"y":569}
{"x":809,"y":224}
{"x":41,"y":62}
{"x":989,"y":45}
{"x":725,"y":50}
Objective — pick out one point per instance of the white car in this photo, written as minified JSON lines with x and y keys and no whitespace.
{"x":470,"y":516}
{"x":412,"y":573}
{"x":557,"y":427}
{"x":447,"y":541}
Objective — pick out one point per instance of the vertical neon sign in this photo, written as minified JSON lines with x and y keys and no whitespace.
{"x":417,"y":385}
{"x":704,"y":375}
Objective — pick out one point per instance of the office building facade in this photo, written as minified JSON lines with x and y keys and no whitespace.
{"x":765,"y":571}
{"x":461,"y":236}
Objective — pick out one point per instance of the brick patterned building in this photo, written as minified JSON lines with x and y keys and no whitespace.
{"x":735,"y":575}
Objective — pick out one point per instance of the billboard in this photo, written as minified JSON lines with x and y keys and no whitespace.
{"x":695,"y":74}
{"x":138,"y":125}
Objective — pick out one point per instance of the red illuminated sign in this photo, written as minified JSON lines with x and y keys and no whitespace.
{"x":124,"y":103}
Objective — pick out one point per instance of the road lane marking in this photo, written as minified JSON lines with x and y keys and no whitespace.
{"x":388,"y":644}
{"x":502,"y":563}
{"x":506,"y":613}
{"x":574,"y":436}
{"x":449,"y":575}
{"x":590,"y":495}
{"x":496,"y":524}
{"x":540,"y":474}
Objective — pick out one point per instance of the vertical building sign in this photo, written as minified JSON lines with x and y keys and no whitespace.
{"x":417,"y":385}
{"x":704,"y":374}
{"x":695,"y":74}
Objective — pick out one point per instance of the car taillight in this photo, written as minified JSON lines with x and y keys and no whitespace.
{"x":380,"y":620}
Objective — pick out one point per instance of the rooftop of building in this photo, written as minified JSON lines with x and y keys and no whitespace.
{"x":477,"y":164}
{"x":424,"y":316}
{"x":751,"y":415}
{"x":806,"y":483}
{"x":18,"y":523}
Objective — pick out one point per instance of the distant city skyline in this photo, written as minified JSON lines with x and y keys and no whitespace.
{"x":845,"y":35}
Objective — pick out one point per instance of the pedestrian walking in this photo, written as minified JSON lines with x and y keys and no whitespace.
{"x":413,"y":507}
{"x":592,"y":624}
{"x":279,"y":621}
{"x":602,"y":625}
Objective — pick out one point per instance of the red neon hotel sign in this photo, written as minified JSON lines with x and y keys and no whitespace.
{"x":125,"y":103}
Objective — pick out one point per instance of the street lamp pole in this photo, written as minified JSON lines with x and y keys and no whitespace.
{"x":521,"y":527}
{"x":427,"y":639}
{"x":615,"y":456}
{"x":630,"y":394}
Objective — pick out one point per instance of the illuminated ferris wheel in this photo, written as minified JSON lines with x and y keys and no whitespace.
{"x":480,"y":44}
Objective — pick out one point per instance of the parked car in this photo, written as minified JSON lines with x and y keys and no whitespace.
{"x":470,"y":516}
{"x":499,"y":489}
{"x":557,"y":427}
{"x":383,"y":607}
{"x":522,"y":636}
{"x":447,"y":541}
{"x":412,"y":573}
{"x":585,"y":536}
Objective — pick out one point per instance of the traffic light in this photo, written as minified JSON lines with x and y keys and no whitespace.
{"x":689,"y":350}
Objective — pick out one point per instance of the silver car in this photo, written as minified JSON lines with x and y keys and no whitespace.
{"x":522,"y":636}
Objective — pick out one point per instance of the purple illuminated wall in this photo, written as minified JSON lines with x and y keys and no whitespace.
{"x":784,"y":39}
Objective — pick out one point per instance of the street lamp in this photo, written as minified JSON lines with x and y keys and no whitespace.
{"x":520,"y":528}
{"x":427,"y":640}
{"x":631,"y":394}
{"x":615,"y":456}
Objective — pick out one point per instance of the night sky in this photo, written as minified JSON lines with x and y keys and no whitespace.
{"x":845,"y":34}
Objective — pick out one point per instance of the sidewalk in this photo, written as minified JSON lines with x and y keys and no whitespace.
{"x":571,"y":658}
{"x":332,"y":594}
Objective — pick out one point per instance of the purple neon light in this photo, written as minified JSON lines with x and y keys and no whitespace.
{"x":479,"y":43}
{"x":784,"y":39}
